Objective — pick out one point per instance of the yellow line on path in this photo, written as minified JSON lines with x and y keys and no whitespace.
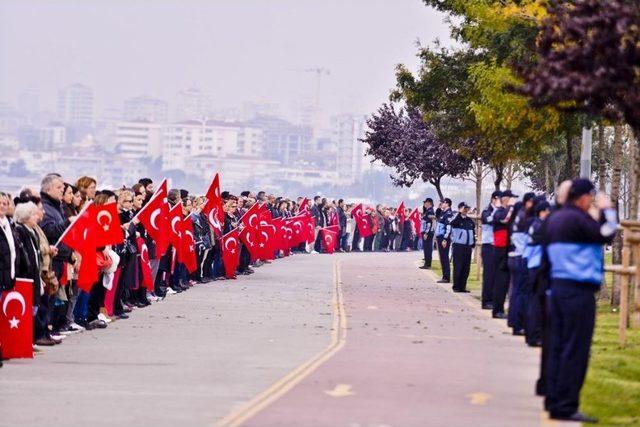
{"x":293,"y":378}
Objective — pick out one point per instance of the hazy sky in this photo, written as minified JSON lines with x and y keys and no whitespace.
{"x":239,"y":50}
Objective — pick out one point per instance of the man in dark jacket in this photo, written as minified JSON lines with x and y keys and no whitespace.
{"x":342,"y":222}
{"x":501,"y":221}
{"x":443,"y":232}
{"x":463,"y":240}
{"x":55,"y":222}
{"x":9,"y":258}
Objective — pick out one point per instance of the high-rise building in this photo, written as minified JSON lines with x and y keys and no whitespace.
{"x":146,"y":108}
{"x":139,"y":139}
{"x":283,"y":140}
{"x":192,"y":104}
{"x":53,"y":136}
{"x":347,"y":130}
{"x":75,"y":106}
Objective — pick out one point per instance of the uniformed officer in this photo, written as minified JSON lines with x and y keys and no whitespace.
{"x":487,"y":251}
{"x":428,"y":215}
{"x":534,"y":289}
{"x":517,"y":267}
{"x":574,"y":247}
{"x":501,"y":220}
{"x":463,"y":239}
{"x":443,"y":232}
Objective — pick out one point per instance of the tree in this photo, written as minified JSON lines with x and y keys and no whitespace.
{"x":404,"y":141}
{"x":588,"y":59}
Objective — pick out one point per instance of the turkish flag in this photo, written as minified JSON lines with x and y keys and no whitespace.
{"x":364,"y":228}
{"x":267,"y":242}
{"x":400,"y":211}
{"x":414,"y":217}
{"x":278,"y":243}
{"x":329,"y":240}
{"x":187,"y":252}
{"x":251,"y":238}
{"x":80,"y":237}
{"x":304,"y":205}
{"x":175,"y":218}
{"x":265,"y":216}
{"x":16,"y":321}
{"x":288,"y":235}
{"x":231,"y":252}
{"x":145,"y":264}
{"x":213,"y":207}
{"x":155,"y":218}
{"x":310,"y":227}
{"x":298,"y":228}
{"x":251,"y":217}
{"x":107,"y":224}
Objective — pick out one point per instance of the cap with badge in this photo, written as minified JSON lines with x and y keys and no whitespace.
{"x":580,"y":187}
{"x":508,"y":193}
{"x":447,"y":201}
{"x":496,"y":194}
{"x":463,"y":205}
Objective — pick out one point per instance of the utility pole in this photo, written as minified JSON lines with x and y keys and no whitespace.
{"x":585,"y":153}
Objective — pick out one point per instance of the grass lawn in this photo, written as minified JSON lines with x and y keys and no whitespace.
{"x":612,"y":388}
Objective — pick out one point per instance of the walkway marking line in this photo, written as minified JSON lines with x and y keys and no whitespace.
{"x":293,"y":378}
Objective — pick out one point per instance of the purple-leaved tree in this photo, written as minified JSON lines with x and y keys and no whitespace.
{"x":402,"y":140}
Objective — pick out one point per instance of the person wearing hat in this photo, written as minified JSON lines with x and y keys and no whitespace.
{"x":487,"y":250}
{"x":443,"y":231}
{"x":574,"y":247}
{"x":517,"y":264}
{"x":463,"y":239}
{"x":428,"y":215}
{"x":501,"y":222}
{"x":534,"y":290}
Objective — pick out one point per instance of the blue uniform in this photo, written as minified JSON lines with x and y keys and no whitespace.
{"x":487,"y":255}
{"x":463,"y":239}
{"x":427,"y":231}
{"x":501,"y":223}
{"x":443,"y":232}
{"x":574,"y":248}
{"x":517,"y":270}
{"x":533,"y":290}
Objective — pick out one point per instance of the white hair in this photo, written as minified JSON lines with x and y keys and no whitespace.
{"x":24,"y":211}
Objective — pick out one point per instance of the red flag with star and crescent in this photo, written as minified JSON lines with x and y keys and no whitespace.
{"x":310,"y":227}
{"x":250,"y":236}
{"x":231,"y":252}
{"x":414,"y":217}
{"x":16,"y":320}
{"x":107,"y":227}
{"x":175,"y":231}
{"x":145,"y":264}
{"x":187,"y":252}
{"x":305,"y":206}
{"x":361,"y":222}
{"x":267,"y":242}
{"x":400,"y":212}
{"x":155,"y":218}
{"x":213,"y":206}
{"x":329,"y":239}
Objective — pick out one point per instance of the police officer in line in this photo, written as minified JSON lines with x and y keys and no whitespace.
{"x":463,"y":239}
{"x":574,"y":246}
{"x":501,"y":222}
{"x":428,"y":215}
{"x":443,"y":232}
{"x":517,"y":265}
{"x":487,"y":250}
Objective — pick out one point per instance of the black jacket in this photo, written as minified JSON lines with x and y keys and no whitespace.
{"x":6,"y":281}
{"x":53,"y":225}
{"x":30,"y":258}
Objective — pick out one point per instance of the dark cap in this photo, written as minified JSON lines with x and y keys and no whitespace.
{"x":496,"y":194}
{"x":428,"y":199}
{"x":528,"y":196}
{"x":542,"y":206}
{"x":463,"y":205}
{"x":580,"y":187}
{"x":508,"y":193}
{"x":184,"y":194}
{"x":447,"y":201}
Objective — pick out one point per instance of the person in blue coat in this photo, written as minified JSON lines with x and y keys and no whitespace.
{"x":574,"y":242}
{"x":463,"y":239}
{"x":488,"y":269}
{"x":426,"y":225}
{"x":443,"y":237}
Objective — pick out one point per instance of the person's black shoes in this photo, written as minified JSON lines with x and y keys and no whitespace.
{"x":499,"y":316}
{"x":518,"y":332}
{"x":425,"y":267}
{"x":463,"y":291}
{"x":487,"y":306}
{"x":442,"y":281}
{"x":577,"y":417}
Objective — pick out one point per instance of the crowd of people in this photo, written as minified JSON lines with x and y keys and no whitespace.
{"x":548,"y":258}
{"x":34,"y":222}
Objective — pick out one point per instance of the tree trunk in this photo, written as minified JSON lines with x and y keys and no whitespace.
{"x":499,"y":175}
{"x":478,"y":171}
{"x":548,"y":186}
{"x":570,"y":168}
{"x":634,"y":144}
{"x":616,"y":173}
{"x":602,"y":163}
{"x":436,"y":184}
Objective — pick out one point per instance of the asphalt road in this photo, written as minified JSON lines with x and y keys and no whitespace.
{"x":348,"y":340}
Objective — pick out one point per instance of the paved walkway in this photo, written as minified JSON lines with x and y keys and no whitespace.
{"x":302,"y":342}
